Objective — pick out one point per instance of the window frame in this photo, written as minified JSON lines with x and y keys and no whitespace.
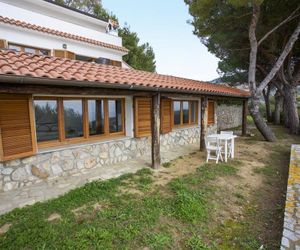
{"x":23,"y":47}
{"x":190,"y":123}
{"x":62,"y":140}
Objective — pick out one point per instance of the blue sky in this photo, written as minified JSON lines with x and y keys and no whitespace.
{"x":163,"y":23}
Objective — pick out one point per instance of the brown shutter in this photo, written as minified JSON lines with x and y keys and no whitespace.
{"x":3,"y":44}
{"x":211,"y":113}
{"x":166,"y":116}
{"x":142,"y":118}
{"x":70,"y":55}
{"x":64,"y":54}
{"x":16,"y":124}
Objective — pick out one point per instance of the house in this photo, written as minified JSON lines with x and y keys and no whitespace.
{"x":69,"y":103}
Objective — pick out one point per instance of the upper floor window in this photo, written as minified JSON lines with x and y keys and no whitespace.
{"x":28,"y":49}
{"x":99,"y":60}
{"x":185,"y":113}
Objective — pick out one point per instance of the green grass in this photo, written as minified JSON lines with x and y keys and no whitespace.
{"x":167,"y":164}
{"x":124,"y":220}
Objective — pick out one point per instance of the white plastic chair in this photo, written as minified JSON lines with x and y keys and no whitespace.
{"x":212,"y":146}
{"x":229,"y":143}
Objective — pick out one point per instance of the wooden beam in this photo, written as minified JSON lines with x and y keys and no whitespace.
{"x":204,"y":104}
{"x":1,"y":147}
{"x":6,"y":88}
{"x":244,"y":122}
{"x":155,"y":135}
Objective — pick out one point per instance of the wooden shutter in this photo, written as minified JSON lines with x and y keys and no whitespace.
{"x":64,"y":54}
{"x":16,"y":127}
{"x":211,"y":113}
{"x":142,"y":107}
{"x":70,"y":55}
{"x":3,"y":44}
{"x":166,"y":116}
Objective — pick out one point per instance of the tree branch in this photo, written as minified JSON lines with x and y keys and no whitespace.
{"x":287,"y":49}
{"x":289,"y":18}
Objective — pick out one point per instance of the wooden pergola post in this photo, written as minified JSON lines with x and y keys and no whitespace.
{"x":244,"y":122}
{"x":204,"y":103}
{"x":155,"y":135}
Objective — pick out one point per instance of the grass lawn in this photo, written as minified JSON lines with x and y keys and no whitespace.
{"x":186,"y":205}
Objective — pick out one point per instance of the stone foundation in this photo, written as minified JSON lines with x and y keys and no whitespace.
{"x":291,"y":226}
{"x":80,"y":158}
{"x":180,"y":137}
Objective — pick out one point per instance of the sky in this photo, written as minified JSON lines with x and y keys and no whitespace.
{"x":163,"y":24}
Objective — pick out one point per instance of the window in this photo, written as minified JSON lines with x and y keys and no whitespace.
{"x":28,"y":49}
{"x":96,"y":117}
{"x":99,"y":60}
{"x":194,"y":111}
{"x":60,"y":120}
{"x":46,"y":120}
{"x":115,"y":116}
{"x":177,"y":112}
{"x":211,"y":113}
{"x":185,"y":113}
{"x":73,"y":118}
{"x":14,"y":47}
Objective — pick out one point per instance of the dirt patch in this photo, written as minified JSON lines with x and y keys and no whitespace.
{"x":54,"y":217}
{"x":178,"y":167}
{"x":88,"y":212}
{"x":4,"y":229}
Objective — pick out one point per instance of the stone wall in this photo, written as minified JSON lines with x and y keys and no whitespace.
{"x":229,"y":115}
{"x":76,"y":159}
{"x":291,"y":226}
{"x":180,"y":137}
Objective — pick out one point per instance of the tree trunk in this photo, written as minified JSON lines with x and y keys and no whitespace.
{"x":266,"y":95}
{"x":278,"y":108}
{"x":290,"y":101}
{"x":259,"y":121}
{"x":255,"y":93}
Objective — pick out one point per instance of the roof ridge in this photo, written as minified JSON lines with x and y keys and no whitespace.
{"x":55,"y":32}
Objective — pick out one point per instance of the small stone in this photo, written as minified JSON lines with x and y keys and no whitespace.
{"x":19,"y":174}
{"x":290,"y":235}
{"x":90,"y":163}
{"x":29,"y":160}
{"x":118,"y":152}
{"x":67,"y":165}
{"x":285,"y":242}
{"x":103,"y":154}
{"x":4,"y":229}
{"x":14,"y":163}
{"x":55,"y":158}
{"x":80,"y":164}
{"x":39,"y":173}
{"x":7,"y":171}
{"x":10,"y":186}
{"x":56,"y":169}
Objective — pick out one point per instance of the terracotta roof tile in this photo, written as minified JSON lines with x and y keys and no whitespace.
{"x":38,"y":28}
{"x":22,"y":64}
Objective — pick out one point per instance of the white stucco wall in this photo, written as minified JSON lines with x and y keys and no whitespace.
{"x":41,"y":40}
{"x":55,"y":17}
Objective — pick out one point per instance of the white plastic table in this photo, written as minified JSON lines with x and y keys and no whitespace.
{"x":226,"y":138}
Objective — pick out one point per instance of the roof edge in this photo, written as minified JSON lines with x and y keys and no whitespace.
{"x":69,"y":83}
